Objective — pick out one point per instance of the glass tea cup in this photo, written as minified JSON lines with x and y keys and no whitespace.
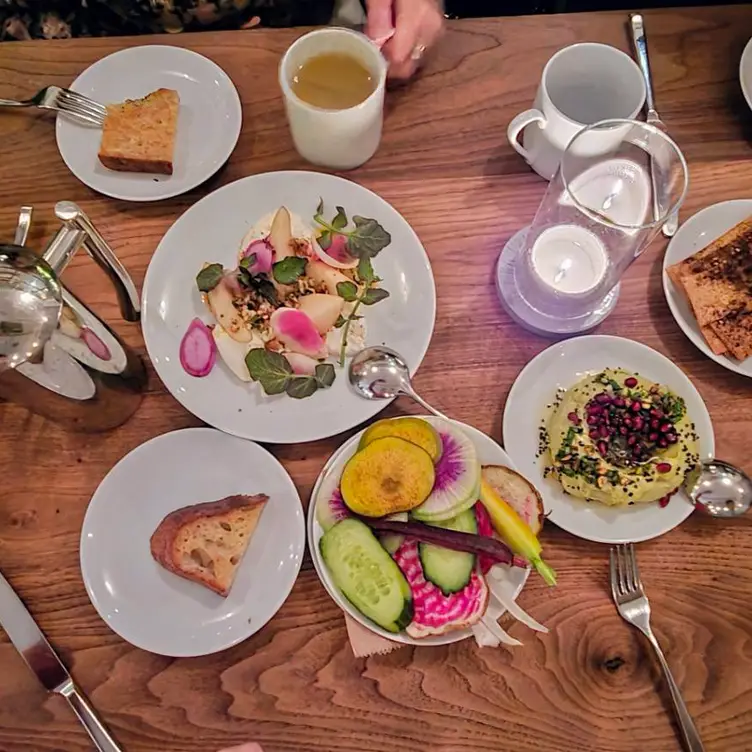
{"x":617,"y":184}
{"x":339,"y":139}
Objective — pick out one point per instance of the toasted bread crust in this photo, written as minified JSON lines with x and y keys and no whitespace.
{"x":497,"y":476}
{"x":164,"y":539}
{"x":139,"y":134}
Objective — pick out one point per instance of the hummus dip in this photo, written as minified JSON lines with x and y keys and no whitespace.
{"x":618,"y":438}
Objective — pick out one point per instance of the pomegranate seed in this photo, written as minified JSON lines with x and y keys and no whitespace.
{"x":655,"y":423}
{"x":631,"y":440}
{"x":664,"y":501}
{"x":603,"y":431}
{"x":656,"y":413}
{"x":592,"y":420}
{"x":666,"y":427}
{"x":574,"y":418}
{"x":663,"y":467}
{"x":594,"y":434}
{"x":619,"y":402}
{"x":628,"y":420}
{"x":635,"y":407}
{"x":638,"y":424}
{"x":603,"y":398}
{"x":653,"y":436}
{"x":623,"y":430}
{"x":630,"y":382}
{"x":662,"y":442}
{"x":602,"y":447}
{"x":594,"y":409}
{"x":672,"y":438}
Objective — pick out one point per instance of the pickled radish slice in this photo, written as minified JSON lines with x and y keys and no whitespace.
{"x":264,"y":256}
{"x":297,"y":332}
{"x":337,"y":254}
{"x":301,"y":365}
{"x":95,"y":344}
{"x":198,"y":352}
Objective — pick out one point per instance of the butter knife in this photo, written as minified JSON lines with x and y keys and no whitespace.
{"x":29,"y":641}
{"x":640,"y":42}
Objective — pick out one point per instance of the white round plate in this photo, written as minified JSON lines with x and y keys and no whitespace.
{"x":561,"y":366}
{"x":154,"y":609}
{"x":212,"y":230}
{"x":745,"y":73}
{"x":696,"y":233}
{"x":489,"y":453}
{"x":208,"y":121}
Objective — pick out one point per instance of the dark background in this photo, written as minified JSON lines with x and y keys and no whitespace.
{"x":470,"y":8}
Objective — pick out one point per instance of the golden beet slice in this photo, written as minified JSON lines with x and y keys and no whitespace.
{"x":414,"y":430}
{"x":389,"y":475}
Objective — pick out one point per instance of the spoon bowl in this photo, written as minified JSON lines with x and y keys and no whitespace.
{"x":720,"y":489}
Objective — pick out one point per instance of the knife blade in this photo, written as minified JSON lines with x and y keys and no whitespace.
{"x":39,"y":656}
{"x":29,"y":641}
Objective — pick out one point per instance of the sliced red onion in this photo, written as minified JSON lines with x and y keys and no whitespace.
{"x":95,"y":344}
{"x":264,"y":256}
{"x":198,"y":351}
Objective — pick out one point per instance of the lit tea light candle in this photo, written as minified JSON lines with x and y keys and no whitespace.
{"x":569,"y":259}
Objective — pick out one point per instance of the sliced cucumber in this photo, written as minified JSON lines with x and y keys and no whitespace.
{"x":367,"y":575}
{"x":449,"y":570}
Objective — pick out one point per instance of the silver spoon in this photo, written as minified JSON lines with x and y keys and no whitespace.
{"x":380,"y":373}
{"x":722,"y":490}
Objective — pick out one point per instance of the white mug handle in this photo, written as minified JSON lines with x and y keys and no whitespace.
{"x":518,"y":124}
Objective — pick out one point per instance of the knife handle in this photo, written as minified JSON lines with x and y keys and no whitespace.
{"x":98,"y":732}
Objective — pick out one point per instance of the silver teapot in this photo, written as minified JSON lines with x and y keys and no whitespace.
{"x":57,"y":357}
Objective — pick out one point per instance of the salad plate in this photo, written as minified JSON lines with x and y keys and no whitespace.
{"x":256,"y":298}
{"x":696,"y":233}
{"x":326,"y":513}
{"x":154,"y":609}
{"x":607,"y":430}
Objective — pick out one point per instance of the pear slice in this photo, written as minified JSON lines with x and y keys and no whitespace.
{"x":323,"y":310}
{"x":220,"y":303}
{"x":323,"y":274}
{"x":280,"y":234}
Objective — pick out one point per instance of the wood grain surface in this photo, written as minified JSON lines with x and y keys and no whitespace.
{"x":591,"y":684}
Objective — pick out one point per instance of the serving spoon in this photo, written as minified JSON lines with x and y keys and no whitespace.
{"x":719,"y":488}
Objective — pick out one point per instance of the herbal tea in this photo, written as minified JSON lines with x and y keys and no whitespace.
{"x":333,"y":81}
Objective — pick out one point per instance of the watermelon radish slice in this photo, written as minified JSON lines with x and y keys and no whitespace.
{"x":435,"y":613}
{"x":457,"y":483}
{"x":330,"y":508}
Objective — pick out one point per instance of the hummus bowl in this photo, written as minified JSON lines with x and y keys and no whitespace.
{"x":553,"y":408}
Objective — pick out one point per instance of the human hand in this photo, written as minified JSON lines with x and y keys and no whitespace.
{"x":250,"y":747}
{"x":416,"y":26}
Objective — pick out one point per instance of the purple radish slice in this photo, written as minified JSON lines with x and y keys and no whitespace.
{"x":264,"y":253}
{"x":336,"y":255}
{"x":436,"y":613}
{"x":330,"y":508}
{"x":198,"y":352}
{"x":457,"y":483}
{"x":301,"y":365}
{"x":95,"y":344}
{"x":297,"y":332}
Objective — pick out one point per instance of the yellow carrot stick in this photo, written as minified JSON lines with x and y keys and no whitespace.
{"x":515,"y":532}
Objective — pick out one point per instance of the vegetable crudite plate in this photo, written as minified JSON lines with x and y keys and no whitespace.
{"x":657,"y":426}
{"x":442,"y":568}
{"x":258,"y":295}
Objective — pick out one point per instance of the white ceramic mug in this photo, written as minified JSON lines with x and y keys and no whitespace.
{"x":581,"y":85}
{"x":338,"y":139}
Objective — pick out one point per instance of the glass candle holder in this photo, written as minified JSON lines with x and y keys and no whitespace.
{"x":617,"y":184}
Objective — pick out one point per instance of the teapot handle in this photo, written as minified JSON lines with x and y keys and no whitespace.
{"x":98,"y":248}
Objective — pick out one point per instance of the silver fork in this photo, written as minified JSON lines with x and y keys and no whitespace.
{"x":63,"y":100}
{"x":637,"y":26}
{"x":633,"y":606}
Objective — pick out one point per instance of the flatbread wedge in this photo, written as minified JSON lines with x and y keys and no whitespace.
{"x":205,"y":542}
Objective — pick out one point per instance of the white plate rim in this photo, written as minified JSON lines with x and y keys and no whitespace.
{"x":258,"y":624}
{"x":325,"y":433}
{"x":313,"y":534}
{"x":546,"y":488}
{"x":688,"y":326}
{"x":200,"y":177}
{"x":746,"y":85}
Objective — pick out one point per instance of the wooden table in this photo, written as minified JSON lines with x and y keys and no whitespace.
{"x":590,"y":685}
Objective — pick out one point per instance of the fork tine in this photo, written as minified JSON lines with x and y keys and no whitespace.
{"x":80,"y":116}
{"x":614,"y":575}
{"x":83,"y":106}
{"x":621,"y":562}
{"x":84,"y":100}
{"x":635,"y":569}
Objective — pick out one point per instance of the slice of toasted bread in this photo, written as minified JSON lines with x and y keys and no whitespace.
{"x":205,"y":542}
{"x":518,"y":492}
{"x":139,"y":134}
